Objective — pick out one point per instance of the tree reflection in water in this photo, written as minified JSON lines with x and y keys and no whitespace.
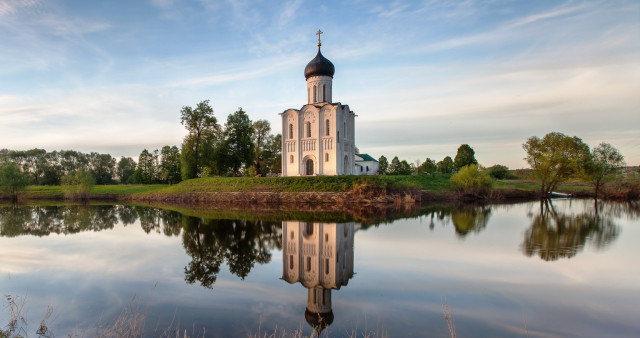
{"x":470,"y":219}
{"x":553,"y":235}
{"x":240,"y":243}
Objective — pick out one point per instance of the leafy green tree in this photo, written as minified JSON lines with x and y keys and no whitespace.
{"x":555,"y":158}
{"x":146,"y":171}
{"x":446,"y":165}
{"x":12,"y":180}
{"x":238,"y":145}
{"x":464,"y":157}
{"x":272,"y":153}
{"x":79,"y":184}
{"x":404,"y":168}
{"x":169,"y":171}
{"x":102,"y":167}
{"x":604,"y":163}
{"x":260,"y":138}
{"x":126,"y":169}
{"x":499,"y":172}
{"x":429,"y":166}
{"x":383,"y":165}
{"x":198,"y":145}
{"x":394,"y":166}
{"x":471,"y":180}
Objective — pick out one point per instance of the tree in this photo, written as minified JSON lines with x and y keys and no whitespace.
{"x":464,"y":157}
{"x":394,"y":166}
{"x":102,"y":167}
{"x":555,"y":158}
{"x":499,"y":172}
{"x":429,"y":166}
{"x":169,"y":171}
{"x":79,"y":183}
{"x":146,"y":171}
{"x":12,"y":180}
{"x":126,"y":169}
{"x":197,"y":146}
{"x":239,"y":148}
{"x":446,"y":165}
{"x":261,"y":129}
{"x":273,"y":153}
{"x":604,"y":163}
{"x":383,"y":165}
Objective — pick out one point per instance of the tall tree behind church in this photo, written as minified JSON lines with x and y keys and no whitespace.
{"x":198,"y":146}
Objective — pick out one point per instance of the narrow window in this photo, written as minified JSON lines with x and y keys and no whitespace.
{"x":326,"y":266}
{"x":308,"y":263}
{"x":291,"y":158}
{"x":315,"y":94}
{"x":291,"y":234}
{"x":326,"y":128}
{"x":326,"y":157}
{"x":291,"y":262}
{"x":338,"y":137}
{"x":324,"y":90}
{"x":315,"y":297}
{"x":308,"y":129}
{"x":309,"y":94}
{"x":367,"y":168}
{"x":326,"y":237}
{"x":291,"y":131}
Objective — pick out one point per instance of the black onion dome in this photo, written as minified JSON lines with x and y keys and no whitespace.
{"x":319,"y":66}
{"x":319,"y":321}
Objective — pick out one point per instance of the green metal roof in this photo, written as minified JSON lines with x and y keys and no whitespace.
{"x":366,"y":157}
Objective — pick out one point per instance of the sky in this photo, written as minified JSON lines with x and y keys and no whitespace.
{"x":423,"y":77}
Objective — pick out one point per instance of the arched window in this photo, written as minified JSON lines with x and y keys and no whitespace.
{"x":326,"y":128}
{"x":338,"y":137}
{"x":315,"y":94}
{"x":308,"y":129}
{"x":290,"y":131}
{"x":324,"y":92}
{"x":291,"y":158}
{"x":326,"y":157}
{"x":309,"y":94}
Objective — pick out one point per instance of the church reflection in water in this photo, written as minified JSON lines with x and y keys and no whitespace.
{"x":320,"y":257}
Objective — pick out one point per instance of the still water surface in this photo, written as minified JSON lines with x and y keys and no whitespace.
{"x":569,"y":268}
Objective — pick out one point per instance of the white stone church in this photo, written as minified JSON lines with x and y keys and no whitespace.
{"x":319,"y":138}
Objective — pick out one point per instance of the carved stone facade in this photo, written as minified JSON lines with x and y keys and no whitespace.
{"x":319,"y":138}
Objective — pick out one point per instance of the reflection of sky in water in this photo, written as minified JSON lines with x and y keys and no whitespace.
{"x":404,"y":271}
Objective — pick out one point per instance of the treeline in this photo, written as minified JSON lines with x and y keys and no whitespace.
{"x":465,"y":156}
{"x":42,"y":167}
{"x":241,"y":148}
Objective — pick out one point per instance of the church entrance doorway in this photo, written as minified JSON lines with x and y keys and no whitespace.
{"x":309,"y":167}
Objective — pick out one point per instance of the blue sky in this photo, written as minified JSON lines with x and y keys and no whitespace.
{"x":422,"y":76}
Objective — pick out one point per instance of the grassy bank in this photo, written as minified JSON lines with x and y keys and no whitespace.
{"x":358,"y":186}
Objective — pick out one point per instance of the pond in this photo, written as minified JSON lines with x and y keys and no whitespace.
{"x":557,"y":269}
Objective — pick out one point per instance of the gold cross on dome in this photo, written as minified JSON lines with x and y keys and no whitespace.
{"x":318,"y":34}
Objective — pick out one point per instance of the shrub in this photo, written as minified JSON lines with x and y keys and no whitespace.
{"x":471,"y":180}
{"x":79,"y":184}
{"x":12,"y":180}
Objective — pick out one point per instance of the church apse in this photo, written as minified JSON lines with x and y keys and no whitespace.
{"x":320,"y":257}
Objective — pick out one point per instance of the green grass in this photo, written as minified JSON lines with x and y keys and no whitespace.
{"x":437,"y":184}
{"x":57,"y":191}
{"x":304,"y":184}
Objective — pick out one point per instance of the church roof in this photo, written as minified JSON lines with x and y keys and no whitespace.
{"x":319,"y":66}
{"x":366,"y":157}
